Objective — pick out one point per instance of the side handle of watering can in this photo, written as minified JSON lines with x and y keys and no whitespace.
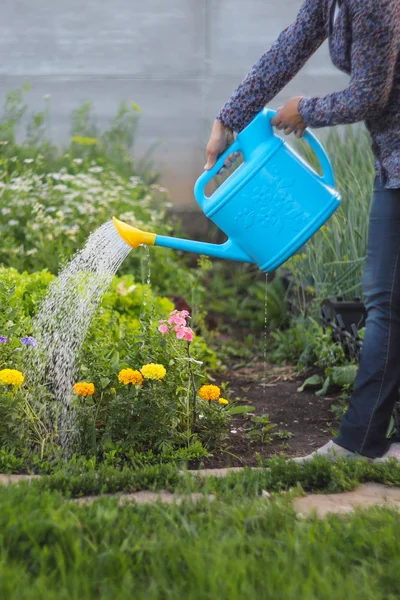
{"x":207,"y":176}
{"x":327,"y":172}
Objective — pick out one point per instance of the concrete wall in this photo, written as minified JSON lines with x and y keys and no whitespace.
{"x":178,"y":59}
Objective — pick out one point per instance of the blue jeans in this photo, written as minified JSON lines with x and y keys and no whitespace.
{"x":364,"y":426}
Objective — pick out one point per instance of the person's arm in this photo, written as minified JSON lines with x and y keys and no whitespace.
{"x":276,"y":67}
{"x":374,"y":51}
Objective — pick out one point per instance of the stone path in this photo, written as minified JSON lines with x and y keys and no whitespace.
{"x":366,"y":495}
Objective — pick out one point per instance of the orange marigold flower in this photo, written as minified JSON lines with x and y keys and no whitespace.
{"x":84,"y":389}
{"x":130,"y":376}
{"x":209,"y":392}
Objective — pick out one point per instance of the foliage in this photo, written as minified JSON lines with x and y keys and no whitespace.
{"x":307,"y":344}
{"x":123,"y":334}
{"x":51,"y":200}
{"x":88,"y":144}
{"x":242,"y":294}
{"x":332,"y":261}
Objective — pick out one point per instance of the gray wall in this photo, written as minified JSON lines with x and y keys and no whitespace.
{"x":178,"y":59}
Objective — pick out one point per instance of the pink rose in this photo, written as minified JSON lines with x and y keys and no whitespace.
{"x":163,"y":329}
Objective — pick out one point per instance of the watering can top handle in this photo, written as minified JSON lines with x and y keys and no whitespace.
{"x":327,"y":171}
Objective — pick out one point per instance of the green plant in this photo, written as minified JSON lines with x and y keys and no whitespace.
{"x":332,"y":261}
{"x":260,"y":430}
{"x":340,"y":377}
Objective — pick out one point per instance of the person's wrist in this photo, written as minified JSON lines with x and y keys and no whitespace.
{"x":222,"y":127}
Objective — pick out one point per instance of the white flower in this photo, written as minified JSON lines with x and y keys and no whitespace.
{"x":13,"y":222}
{"x":32,"y":252}
{"x":78,"y":161}
{"x":61,"y":187}
{"x":5,"y":211}
{"x":95,"y":169}
{"x":28,"y":161}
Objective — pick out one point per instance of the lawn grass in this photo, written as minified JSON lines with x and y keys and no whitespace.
{"x":234,"y":548}
{"x":239,"y":545}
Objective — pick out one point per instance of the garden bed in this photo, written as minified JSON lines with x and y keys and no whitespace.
{"x":302,"y":420}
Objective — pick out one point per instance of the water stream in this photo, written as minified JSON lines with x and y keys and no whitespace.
{"x":265,"y":333}
{"x":62,"y":323}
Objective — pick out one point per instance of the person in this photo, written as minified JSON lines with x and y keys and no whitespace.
{"x":364,"y":42}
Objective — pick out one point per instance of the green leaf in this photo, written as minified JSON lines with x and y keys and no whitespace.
{"x":345,"y":375}
{"x":104,"y":381}
{"x":312,"y":381}
{"x":241,"y":410}
{"x":324,"y":390}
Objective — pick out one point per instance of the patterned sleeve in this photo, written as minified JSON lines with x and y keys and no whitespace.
{"x":277,"y":66}
{"x":373,"y":58}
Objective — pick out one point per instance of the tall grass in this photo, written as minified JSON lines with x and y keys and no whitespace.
{"x":332,"y":261}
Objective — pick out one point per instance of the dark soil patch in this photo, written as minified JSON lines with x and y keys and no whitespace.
{"x":272,"y":390}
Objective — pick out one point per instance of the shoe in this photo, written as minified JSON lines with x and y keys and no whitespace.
{"x":393,"y":452}
{"x":332,"y":452}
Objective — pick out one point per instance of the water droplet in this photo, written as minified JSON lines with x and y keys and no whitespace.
{"x":265,"y":331}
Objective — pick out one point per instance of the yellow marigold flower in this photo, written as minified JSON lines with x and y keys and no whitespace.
{"x":223,"y":401}
{"x":153,"y":371}
{"x":84,"y":389}
{"x":209,"y":392}
{"x":11,"y":377}
{"x":130,"y":376}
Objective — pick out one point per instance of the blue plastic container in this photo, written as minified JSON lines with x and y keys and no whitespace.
{"x":273,"y":202}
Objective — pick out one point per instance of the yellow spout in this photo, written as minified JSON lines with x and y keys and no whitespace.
{"x":132,"y":236}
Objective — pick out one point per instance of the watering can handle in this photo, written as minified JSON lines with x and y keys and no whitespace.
{"x":206,"y":177}
{"x":327,"y":171}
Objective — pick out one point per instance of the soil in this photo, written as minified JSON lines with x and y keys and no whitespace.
{"x":272,"y":390}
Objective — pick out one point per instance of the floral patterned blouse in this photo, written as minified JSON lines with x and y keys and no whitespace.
{"x":364,"y":42}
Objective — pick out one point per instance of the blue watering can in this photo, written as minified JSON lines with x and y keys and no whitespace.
{"x":268,"y":207}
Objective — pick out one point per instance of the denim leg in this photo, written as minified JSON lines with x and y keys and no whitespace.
{"x":364,"y":426}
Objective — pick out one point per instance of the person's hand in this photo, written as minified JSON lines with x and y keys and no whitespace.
{"x":289,"y":119}
{"x":221,"y":137}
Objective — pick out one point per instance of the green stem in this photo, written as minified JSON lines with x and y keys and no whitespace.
{"x":193,"y":384}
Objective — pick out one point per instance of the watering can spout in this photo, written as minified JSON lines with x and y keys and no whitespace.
{"x":132,"y":236}
{"x":135,"y":237}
